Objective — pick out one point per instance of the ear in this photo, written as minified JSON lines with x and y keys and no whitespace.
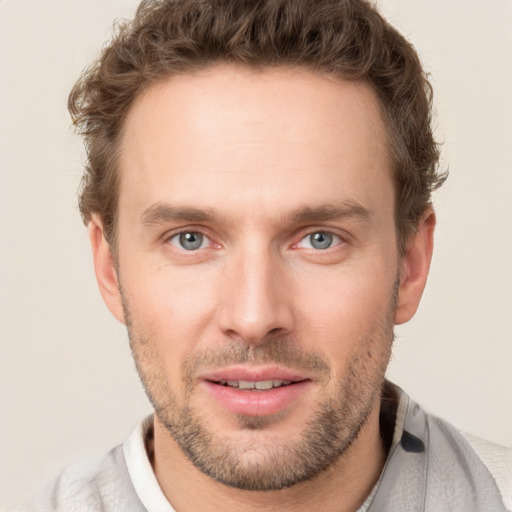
{"x":105,"y":268}
{"x":414,"y":268}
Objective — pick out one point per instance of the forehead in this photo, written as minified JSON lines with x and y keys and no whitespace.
{"x":273,"y":137}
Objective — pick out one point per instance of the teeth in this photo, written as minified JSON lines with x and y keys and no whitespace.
{"x":260,"y":385}
{"x":264,"y":384}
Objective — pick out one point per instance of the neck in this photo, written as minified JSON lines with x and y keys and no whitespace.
{"x":342,"y":487}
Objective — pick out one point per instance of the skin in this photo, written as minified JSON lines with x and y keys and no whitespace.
{"x":272,"y":156}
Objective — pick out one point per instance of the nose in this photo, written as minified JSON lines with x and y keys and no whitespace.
{"x":255,"y":299}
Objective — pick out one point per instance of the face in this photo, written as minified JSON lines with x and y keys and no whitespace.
{"x":258,"y":265}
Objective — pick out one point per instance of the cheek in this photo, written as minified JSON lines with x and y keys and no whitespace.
{"x":342,"y":311}
{"x":172,"y":309}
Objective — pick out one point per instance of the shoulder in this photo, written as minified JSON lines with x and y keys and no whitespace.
{"x":474,"y":456}
{"x":441,"y":468}
{"x":498,"y":460}
{"x":97,"y":483}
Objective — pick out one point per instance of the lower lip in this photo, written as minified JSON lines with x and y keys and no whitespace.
{"x":256,"y":402}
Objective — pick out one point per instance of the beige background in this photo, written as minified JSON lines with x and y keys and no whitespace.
{"x":68,"y":386}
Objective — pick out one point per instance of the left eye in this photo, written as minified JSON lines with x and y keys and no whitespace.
{"x":320,"y":240}
{"x":189,"y":240}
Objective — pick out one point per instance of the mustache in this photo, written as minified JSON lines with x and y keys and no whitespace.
{"x":274,"y":350}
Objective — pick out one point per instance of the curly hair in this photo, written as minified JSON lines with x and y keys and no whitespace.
{"x":348,"y":39}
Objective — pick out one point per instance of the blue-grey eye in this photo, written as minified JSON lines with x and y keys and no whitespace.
{"x":320,"y":240}
{"x":190,"y":241}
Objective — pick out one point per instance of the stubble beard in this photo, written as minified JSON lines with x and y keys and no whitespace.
{"x":326,"y":435}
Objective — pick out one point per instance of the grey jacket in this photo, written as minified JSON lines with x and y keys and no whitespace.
{"x":431,"y":467}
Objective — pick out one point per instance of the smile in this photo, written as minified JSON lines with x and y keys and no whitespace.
{"x":261,"y":385}
{"x":256,"y":392}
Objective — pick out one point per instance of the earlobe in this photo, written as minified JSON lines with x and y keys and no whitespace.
{"x":415,"y":267}
{"x":105,"y":269}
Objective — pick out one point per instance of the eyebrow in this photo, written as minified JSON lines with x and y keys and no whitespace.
{"x":164,"y":212}
{"x":331,"y":211}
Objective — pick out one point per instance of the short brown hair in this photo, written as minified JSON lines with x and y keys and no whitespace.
{"x":346,"y":38}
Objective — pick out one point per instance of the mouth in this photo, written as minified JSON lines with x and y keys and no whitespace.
{"x":256,"y":392}
{"x":259,"y":385}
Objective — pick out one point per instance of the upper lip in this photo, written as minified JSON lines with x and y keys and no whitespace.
{"x":254,"y":374}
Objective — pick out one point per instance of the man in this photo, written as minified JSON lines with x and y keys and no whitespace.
{"x":258,"y":201}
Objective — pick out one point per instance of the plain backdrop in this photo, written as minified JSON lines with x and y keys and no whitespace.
{"x":68,"y":385}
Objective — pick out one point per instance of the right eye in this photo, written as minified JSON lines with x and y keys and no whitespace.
{"x":320,"y":240}
{"x":189,"y":240}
